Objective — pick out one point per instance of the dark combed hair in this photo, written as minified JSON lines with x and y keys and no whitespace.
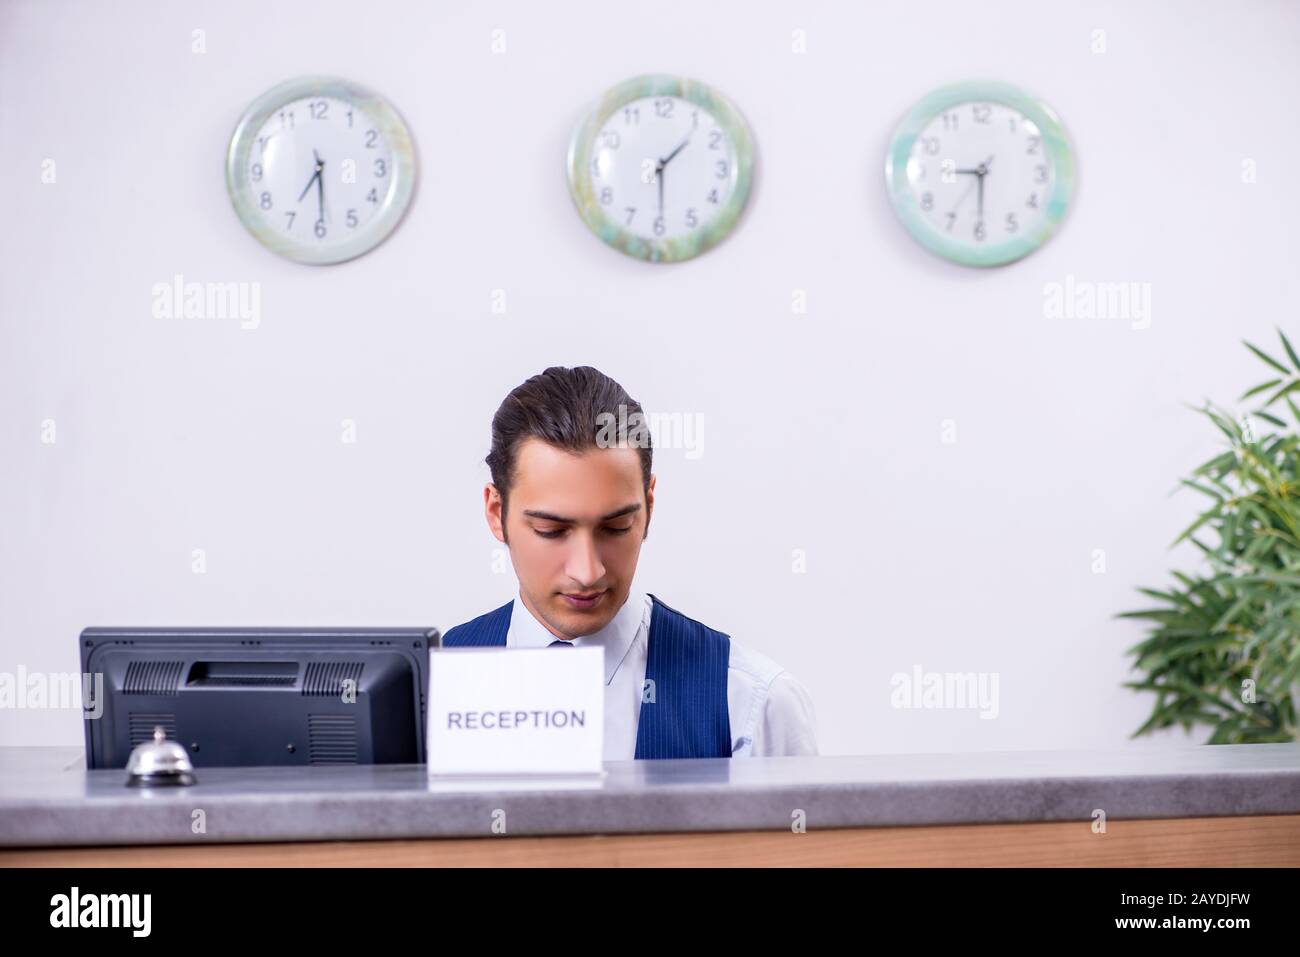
{"x":562,"y":407}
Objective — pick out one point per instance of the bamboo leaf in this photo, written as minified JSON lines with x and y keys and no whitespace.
{"x":1262,"y":387}
{"x":1267,"y":358}
{"x":1286,"y":344}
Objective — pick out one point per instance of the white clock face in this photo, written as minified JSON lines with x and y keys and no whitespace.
{"x":662,"y":167}
{"x":981,"y":173}
{"x":320,"y":170}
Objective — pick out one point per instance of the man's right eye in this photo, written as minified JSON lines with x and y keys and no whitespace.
{"x":555,"y":534}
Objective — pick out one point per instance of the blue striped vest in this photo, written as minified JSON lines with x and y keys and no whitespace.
{"x":687,"y":662}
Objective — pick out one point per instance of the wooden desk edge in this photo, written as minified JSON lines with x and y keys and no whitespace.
{"x":1250,"y":841}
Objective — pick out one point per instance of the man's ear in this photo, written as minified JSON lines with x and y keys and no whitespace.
{"x":649,"y":506}
{"x":494,"y":512}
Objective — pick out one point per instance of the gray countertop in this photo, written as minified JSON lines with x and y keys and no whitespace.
{"x":48,"y":798}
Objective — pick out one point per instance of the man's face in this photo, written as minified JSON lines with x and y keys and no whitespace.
{"x":574,"y":528}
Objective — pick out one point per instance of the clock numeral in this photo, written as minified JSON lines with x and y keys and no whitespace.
{"x":609,"y":139}
{"x":715,"y":139}
{"x":266,"y":201}
{"x":952,"y":218}
{"x":257,"y":172}
{"x":927,"y":201}
{"x":931,"y":144}
{"x":979,"y":230}
{"x":722,"y":168}
{"x":349,"y":119}
{"x":664,"y":109}
{"x":1033,"y":142}
{"x":261,"y":144}
{"x":352,"y":219}
{"x":372,"y":196}
{"x":372,"y":137}
{"x":631,"y":211}
{"x":1040,"y":173}
{"x":631,"y":114}
{"x":606,"y":196}
{"x":695,"y":120}
{"x":659,"y":225}
{"x":1013,"y":123}
{"x":319,"y":109}
{"x":1012,"y":225}
{"x":286,"y":122}
{"x":713,"y":197}
{"x":691,"y":219}
{"x":381,"y":168}
{"x":319,"y":229}
{"x":949,"y":122}
{"x":981,"y":112}
{"x":291,"y":214}
{"x":1032,"y":202}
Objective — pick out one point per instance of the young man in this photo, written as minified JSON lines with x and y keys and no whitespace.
{"x":571,"y":496}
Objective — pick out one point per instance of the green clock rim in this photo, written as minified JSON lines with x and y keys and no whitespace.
{"x":1055,"y":142}
{"x":396,"y":201}
{"x":583,"y":192}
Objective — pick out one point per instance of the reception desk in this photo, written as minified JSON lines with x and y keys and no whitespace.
{"x":1229,"y":805}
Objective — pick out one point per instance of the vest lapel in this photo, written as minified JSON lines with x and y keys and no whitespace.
{"x":687,"y":663}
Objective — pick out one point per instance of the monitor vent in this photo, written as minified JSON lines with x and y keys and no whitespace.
{"x":153,"y":677}
{"x":326,"y":678}
{"x":333,"y":738}
{"x":142,"y":723}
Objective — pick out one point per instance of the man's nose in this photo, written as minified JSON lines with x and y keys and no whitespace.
{"x":584,"y":565}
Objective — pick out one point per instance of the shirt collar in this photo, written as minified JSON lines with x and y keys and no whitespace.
{"x":616,"y":637}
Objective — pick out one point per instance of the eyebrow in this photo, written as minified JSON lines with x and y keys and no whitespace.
{"x":549,"y":517}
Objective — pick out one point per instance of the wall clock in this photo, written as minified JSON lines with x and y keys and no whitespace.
{"x":980,"y":173}
{"x":320,"y":170}
{"x":661,"y":167}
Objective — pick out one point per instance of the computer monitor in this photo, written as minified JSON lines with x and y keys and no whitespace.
{"x":260,"y":696}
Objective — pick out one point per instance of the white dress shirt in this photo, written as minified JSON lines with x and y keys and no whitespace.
{"x":770,"y":712}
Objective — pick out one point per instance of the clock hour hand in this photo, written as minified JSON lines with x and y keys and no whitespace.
{"x":664,"y":162}
{"x":978,"y":170}
{"x":315,"y":176}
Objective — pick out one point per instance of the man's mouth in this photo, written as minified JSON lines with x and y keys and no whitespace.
{"x":582,"y":600}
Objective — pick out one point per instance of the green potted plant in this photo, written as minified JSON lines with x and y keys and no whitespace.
{"x":1223,"y":648}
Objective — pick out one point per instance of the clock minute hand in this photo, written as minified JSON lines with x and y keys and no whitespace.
{"x":983,"y":171}
{"x":659,"y":171}
{"x":320,"y":187}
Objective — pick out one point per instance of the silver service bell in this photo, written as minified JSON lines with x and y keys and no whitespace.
{"x":159,"y":763}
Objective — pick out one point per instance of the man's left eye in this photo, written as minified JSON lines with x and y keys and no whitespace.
{"x":618,"y":531}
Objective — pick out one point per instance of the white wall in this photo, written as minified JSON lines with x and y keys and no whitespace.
{"x":823,"y":431}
